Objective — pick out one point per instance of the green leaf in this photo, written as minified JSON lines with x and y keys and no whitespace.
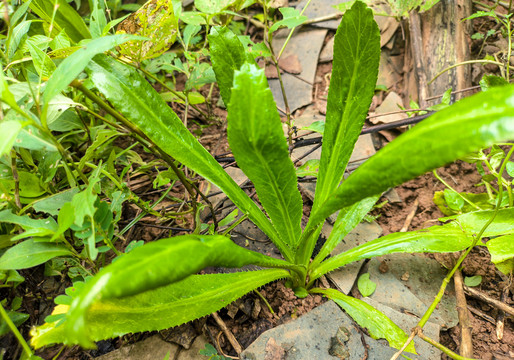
{"x":162,"y":308}
{"x":52,"y":204}
{"x":378,"y":325}
{"x":490,"y":81}
{"x":257,"y":141}
{"x":66,"y":18}
{"x":453,"y":199}
{"x":16,"y":317}
{"x":9,"y":131}
{"x":26,"y":222}
{"x":15,"y":38}
{"x":157,"y":264}
{"x":74,"y":64}
{"x":473,"y":222}
{"x":30,"y":253}
{"x":131,"y":94}
{"x":352,"y":86}
{"x":435,"y":239}
{"x":473,"y":280}
{"x":227,"y":56}
{"x":317,"y":126}
{"x":347,"y":219}
{"x":65,"y":220}
{"x":365,"y":285}
{"x":310,"y":168}
{"x":42,"y":62}
{"x":213,"y":7}
{"x":502,"y":253}
{"x":291,"y":19}
{"x":471,"y":124}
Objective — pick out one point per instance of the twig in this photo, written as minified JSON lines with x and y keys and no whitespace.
{"x":221,"y":350}
{"x":481,"y":314}
{"x":486,"y":298}
{"x":444,"y":349}
{"x":409,"y":218}
{"x":228,"y":333}
{"x":466,"y":345}
{"x":500,"y":320}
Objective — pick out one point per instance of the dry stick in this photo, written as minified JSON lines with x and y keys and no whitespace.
{"x":481,"y":314}
{"x":417,"y":51}
{"x":228,"y":333}
{"x":466,"y":347}
{"x":500,"y":320}
{"x":496,"y":303}
{"x":409,"y":218}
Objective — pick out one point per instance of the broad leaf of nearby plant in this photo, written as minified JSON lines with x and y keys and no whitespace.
{"x":65,"y":18}
{"x":213,"y":7}
{"x":352,"y":85}
{"x":30,"y":253}
{"x":257,"y":141}
{"x":162,"y":308}
{"x":227,"y":56}
{"x":473,"y":222}
{"x":446,"y":238}
{"x":131,"y":94}
{"x":365,"y":285}
{"x":378,"y":325}
{"x":471,"y":124}
{"x":502,"y":253}
{"x":291,"y":19}
{"x":157,"y":264}
{"x":74,"y":64}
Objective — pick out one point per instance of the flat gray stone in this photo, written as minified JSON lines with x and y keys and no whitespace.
{"x":410,"y":284}
{"x":390,"y":104}
{"x":345,"y":277}
{"x":327,"y":54}
{"x":151,"y":348}
{"x":309,"y":336}
{"x":318,"y":8}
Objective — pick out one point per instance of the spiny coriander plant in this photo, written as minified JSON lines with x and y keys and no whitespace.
{"x":156,"y":286}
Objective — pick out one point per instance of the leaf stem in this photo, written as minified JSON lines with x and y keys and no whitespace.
{"x":455,"y":191}
{"x":292,"y":30}
{"x":441,"y":347}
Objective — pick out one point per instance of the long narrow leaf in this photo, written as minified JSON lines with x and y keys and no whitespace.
{"x":471,"y":124}
{"x":257,"y":141}
{"x":352,"y":85}
{"x":130,"y":94}
{"x":227,"y":55}
{"x":160,"y":263}
{"x":378,"y":325}
{"x":346,"y":221}
{"x":168,"y":306}
{"x":436,"y":239}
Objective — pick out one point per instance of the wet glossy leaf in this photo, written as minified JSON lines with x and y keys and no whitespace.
{"x":227,"y":56}
{"x":257,"y":141}
{"x":472,"y":123}
{"x":352,"y":86}
{"x":453,"y":199}
{"x":30,"y":253}
{"x":435,"y":239}
{"x":365,"y":285}
{"x":158,"y":264}
{"x":378,"y":325}
{"x":162,"y":308}
{"x":131,"y":94}
{"x":473,"y":222}
{"x":347,"y":219}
